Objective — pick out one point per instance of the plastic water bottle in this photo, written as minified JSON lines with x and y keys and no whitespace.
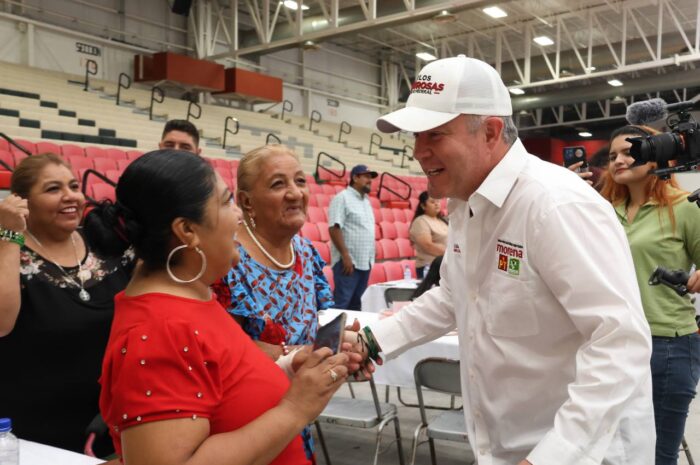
{"x":9,"y":444}
{"x":406,"y":273}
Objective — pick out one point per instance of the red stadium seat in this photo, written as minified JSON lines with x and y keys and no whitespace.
{"x":71,"y":150}
{"x":377,"y":215}
{"x":117,"y":154}
{"x":389,"y":248}
{"x":310,"y":231}
{"x":122,"y":164}
{"x":323,"y":231}
{"x":4,"y":145}
{"x":399,"y":214}
{"x":113,"y":175}
{"x":402,"y":230}
{"x":377,"y":274}
{"x":413,"y":202}
{"x":405,"y":248}
{"x":7,"y":158}
{"x":315,"y":215}
{"x":312,"y":201}
{"x":328,"y":273}
{"x":411,"y":264}
{"x":378,"y":251}
{"x":328,"y":189}
{"x":47,"y":147}
{"x":314,"y":189}
{"x":105,"y":164}
{"x":102,"y":191}
{"x":323,"y":250}
{"x":80,"y":163}
{"x":133,"y":154}
{"x":97,"y":152}
{"x":377,"y":232}
{"x":30,"y":146}
{"x":388,"y":230}
{"x":341,"y":187}
{"x":323,"y":200}
{"x":387,"y":215}
{"x":374,"y":201}
{"x":393,"y":270}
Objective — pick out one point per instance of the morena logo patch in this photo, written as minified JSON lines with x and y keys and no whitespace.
{"x":425,"y":85}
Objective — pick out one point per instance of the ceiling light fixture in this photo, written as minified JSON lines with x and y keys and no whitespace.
{"x":585,"y":134}
{"x":615,"y":82}
{"x":425,"y":56}
{"x":516,"y":91}
{"x":444,"y":17}
{"x":310,"y":45}
{"x":495,"y":12}
{"x":292,"y":5}
{"x":543,"y":41}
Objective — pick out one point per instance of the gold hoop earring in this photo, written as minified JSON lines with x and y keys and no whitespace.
{"x":183,"y":281}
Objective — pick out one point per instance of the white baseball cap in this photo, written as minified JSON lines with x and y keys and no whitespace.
{"x":447,"y":88}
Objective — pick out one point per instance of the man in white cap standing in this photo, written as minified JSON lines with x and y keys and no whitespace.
{"x":554,"y":346}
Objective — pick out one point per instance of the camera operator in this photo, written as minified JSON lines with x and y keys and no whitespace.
{"x":662,"y":228}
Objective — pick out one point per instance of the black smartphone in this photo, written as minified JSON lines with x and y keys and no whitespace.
{"x":575,"y":154}
{"x":331,"y":334}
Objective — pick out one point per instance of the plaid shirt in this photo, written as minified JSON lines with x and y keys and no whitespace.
{"x":353,"y":213}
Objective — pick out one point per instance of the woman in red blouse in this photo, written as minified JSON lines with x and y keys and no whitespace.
{"x":181,"y":382}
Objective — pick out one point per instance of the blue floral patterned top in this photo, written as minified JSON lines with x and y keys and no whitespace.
{"x":289,"y":298}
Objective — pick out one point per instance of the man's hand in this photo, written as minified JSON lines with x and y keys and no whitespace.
{"x":525,"y":462}
{"x":585,"y":175}
{"x":694,"y":282}
{"x":348,"y":267}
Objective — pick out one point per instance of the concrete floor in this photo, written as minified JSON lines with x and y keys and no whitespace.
{"x":351,"y":446}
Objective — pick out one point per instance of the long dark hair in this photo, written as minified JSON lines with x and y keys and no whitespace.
{"x":432,"y":278}
{"x":152,"y":192}
{"x":420,"y":211}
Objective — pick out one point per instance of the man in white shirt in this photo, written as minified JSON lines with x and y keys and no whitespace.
{"x":554,"y":345}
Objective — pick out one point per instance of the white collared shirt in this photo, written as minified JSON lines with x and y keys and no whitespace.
{"x":554,"y":345}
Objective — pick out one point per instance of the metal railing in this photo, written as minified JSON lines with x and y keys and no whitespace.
{"x":11,"y":141}
{"x":122,"y":86}
{"x":405,"y":155}
{"x":90,"y":172}
{"x":189,"y":110}
{"x":345,"y":128}
{"x":334,"y":174}
{"x":373,"y":141}
{"x":228,"y":131}
{"x":286,"y":106}
{"x":313,"y":120}
{"x":389,"y":189}
{"x":154,"y":100}
{"x":89,"y":71}
{"x":272,"y":136}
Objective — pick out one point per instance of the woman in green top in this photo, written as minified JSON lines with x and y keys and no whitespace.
{"x":663,"y":229}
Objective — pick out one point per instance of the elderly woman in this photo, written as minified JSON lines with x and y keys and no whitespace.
{"x":278,"y":287}
{"x":56,"y":306}
{"x":181,"y":382}
{"x":428,"y":232}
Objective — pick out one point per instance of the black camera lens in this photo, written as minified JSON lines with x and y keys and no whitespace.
{"x":659,"y":148}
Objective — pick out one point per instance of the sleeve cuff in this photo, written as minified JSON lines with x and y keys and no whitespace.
{"x":555,"y":450}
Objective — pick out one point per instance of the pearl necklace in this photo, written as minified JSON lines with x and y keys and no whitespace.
{"x":83,"y":294}
{"x":267,"y":254}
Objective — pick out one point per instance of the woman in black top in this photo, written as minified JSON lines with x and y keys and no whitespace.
{"x":56,"y":306}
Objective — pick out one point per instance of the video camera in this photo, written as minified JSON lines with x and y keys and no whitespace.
{"x":675,"y":279}
{"x":681,"y":144}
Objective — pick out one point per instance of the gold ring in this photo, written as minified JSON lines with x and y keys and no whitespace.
{"x":334,"y":375}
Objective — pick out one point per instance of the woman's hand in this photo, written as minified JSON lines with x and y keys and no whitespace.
{"x":13,"y":213}
{"x":694,"y":282}
{"x":583,"y":175}
{"x":315,"y":381}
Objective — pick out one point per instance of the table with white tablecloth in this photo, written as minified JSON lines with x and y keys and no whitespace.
{"x":399,"y":371}
{"x":373,"y":298}
{"x":33,"y":453}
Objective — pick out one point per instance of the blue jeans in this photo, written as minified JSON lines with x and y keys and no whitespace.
{"x":349,"y":287}
{"x":675,"y":370}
